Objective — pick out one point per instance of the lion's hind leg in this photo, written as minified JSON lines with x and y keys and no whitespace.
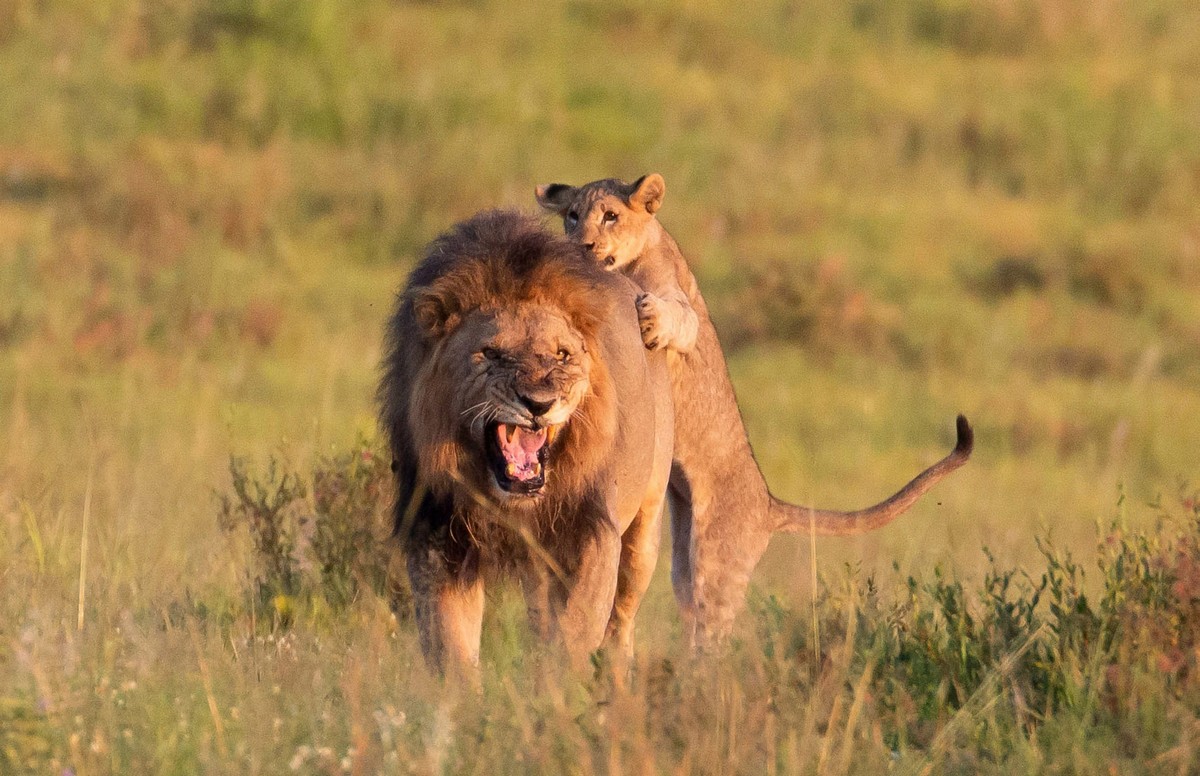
{"x":730,"y":532}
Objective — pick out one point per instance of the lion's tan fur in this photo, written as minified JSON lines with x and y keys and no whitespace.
{"x":722,"y":512}
{"x":499,"y":280}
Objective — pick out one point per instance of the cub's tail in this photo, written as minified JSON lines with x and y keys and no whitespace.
{"x":827,"y":522}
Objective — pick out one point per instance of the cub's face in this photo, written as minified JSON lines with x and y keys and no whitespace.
{"x":610,"y":218}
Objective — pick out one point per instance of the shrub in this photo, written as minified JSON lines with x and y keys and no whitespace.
{"x":267,"y":507}
{"x":1046,"y":646}
{"x":351,"y":497}
{"x":341,"y":533}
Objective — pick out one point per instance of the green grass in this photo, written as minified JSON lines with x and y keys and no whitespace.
{"x":897,"y":211}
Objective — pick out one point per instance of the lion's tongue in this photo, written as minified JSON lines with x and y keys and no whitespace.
{"x":521,"y":451}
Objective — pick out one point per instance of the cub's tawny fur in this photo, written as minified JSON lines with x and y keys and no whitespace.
{"x":531,"y":433}
{"x":722,"y":512}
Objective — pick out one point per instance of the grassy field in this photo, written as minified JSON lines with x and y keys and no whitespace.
{"x":897,"y":211}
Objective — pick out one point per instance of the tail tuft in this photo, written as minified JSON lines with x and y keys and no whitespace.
{"x":966,"y":437}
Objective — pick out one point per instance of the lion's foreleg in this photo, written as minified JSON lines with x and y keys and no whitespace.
{"x":639,"y":554}
{"x":449,"y":613}
{"x":591,"y":592}
{"x":538,"y":587}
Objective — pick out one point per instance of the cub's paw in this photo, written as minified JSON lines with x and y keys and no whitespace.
{"x":654,"y":319}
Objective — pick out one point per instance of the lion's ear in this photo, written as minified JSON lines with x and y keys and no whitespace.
{"x":555,"y":197}
{"x":435,"y":317}
{"x":647,"y":192}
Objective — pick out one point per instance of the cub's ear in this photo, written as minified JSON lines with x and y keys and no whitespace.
{"x":436,"y":316}
{"x":647,"y":192}
{"x":555,"y":197}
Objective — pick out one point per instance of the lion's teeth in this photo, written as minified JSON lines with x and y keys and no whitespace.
{"x":509,"y":433}
{"x":537,"y":469}
{"x":511,"y":470}
{"x":551,"y":432}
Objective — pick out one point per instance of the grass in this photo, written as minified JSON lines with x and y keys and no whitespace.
{"x":897,"y":211}
{"x":1027,"y":672}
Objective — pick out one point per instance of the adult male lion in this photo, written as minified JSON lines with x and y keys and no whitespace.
{"x":531,"y":434}
{"x":722,"y":514}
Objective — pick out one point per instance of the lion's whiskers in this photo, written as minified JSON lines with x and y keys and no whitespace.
{"x":483,"y":403}
{"x":583,"y":419}
{"x":482,"y":416}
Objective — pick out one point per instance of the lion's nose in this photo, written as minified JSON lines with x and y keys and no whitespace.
{"x":535,"y":407}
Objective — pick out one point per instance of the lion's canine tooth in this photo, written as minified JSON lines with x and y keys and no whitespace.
{"x":510,"y":431}
{"x":511,"y":470}
{"x":537,"y":469}
{"x":551,"y":432}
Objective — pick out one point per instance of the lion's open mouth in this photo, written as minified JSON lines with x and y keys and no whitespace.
{"x":518,"y":456}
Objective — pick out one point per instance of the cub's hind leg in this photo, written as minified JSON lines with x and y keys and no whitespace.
{"x":729,"y":536}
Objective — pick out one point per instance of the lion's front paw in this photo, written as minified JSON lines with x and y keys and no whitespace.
{"x":654,"y":318}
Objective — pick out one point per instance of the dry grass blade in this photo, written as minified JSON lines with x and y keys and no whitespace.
{"x":862,"y":691}
{"x":35,"y":536}
{"x":83,"y":546}
{"x":214,"y":710}
{"x":812,"y":565}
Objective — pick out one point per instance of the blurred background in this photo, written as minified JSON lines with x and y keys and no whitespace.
{"x":897,"y":211}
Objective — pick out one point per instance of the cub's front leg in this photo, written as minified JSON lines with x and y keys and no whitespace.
{"x":667,"y":322}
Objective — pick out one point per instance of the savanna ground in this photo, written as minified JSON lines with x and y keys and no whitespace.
{"x":897,"y":211}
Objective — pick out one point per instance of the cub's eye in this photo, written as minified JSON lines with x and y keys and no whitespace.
{"x":572,"y":218}
{"x":491,"y":354}
{"x":609,"y":216}
{"x":564,"y":355}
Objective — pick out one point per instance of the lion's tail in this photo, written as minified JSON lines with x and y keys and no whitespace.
{"x":798,"y":519}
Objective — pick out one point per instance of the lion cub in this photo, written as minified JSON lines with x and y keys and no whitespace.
{"x":722,"y":514}
{"x":615,"y":221}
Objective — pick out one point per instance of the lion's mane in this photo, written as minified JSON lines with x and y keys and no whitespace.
{"x":495,"y":259}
